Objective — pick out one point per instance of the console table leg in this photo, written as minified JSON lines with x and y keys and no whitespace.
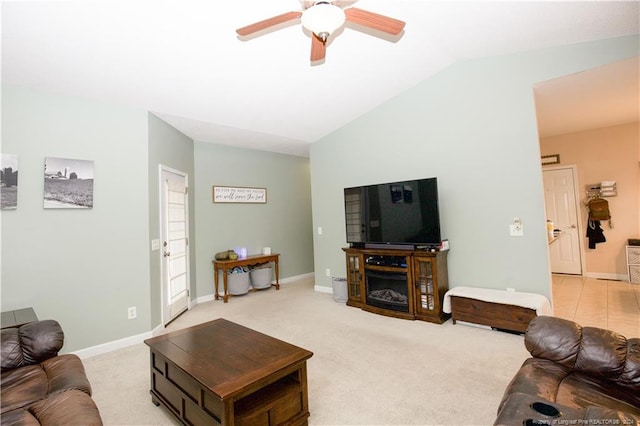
{"x":224,"y":281}
{"x":276,"y":267}
{"x":215,"y":282}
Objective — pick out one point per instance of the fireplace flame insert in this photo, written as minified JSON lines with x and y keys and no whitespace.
{"x":387,"y":290}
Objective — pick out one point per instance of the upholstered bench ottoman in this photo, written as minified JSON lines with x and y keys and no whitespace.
{"x":499,"y":309}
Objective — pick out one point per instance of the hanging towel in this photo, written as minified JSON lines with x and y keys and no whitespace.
{"x":595,"y":233}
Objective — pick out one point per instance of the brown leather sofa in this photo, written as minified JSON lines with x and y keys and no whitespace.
{"x":38,"y":386}
{"x":576,"y":376}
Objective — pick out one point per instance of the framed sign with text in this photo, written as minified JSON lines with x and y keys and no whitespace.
{"x":550,"y":159}
{"x":238,"y":194}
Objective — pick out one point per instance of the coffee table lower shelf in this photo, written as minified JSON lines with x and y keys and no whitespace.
{"x":280,"y":402}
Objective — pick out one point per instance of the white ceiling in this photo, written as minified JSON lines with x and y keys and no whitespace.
{"x":605,"y":96}
{"x":182,"y":59}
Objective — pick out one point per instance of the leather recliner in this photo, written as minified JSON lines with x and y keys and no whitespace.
{"x":577,"y":375}
{"x":38,"y":386}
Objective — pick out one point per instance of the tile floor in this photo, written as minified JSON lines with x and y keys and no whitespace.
{"x":614,"y":305}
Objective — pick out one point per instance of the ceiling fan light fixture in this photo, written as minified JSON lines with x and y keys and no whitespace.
{"x":322,"y":19}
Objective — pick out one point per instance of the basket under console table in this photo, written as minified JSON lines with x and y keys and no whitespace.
{"x":226,"y":265}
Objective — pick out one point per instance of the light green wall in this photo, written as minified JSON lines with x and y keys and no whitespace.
{"x":84,"y":267}
{"x":474,"y":127}
{"x":283,"y":223}
{"x":170,"y":148}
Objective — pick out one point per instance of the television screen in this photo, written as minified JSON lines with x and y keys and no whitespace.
{"x":393,"y":213}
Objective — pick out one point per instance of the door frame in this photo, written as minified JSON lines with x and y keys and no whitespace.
{"x":164,"y":314}
{"x":578,"y":203}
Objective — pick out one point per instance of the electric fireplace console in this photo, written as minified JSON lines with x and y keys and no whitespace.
{"x":407,"y":284}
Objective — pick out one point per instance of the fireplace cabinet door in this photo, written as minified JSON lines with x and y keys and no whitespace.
{"x":355,"y":279}
{"x":426,"y":286}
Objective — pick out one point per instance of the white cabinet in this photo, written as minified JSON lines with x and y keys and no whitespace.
{"x":633,"y":264}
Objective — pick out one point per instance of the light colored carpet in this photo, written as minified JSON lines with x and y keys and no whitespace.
{"x":366,"y":369}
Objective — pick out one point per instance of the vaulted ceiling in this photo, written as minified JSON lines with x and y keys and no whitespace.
{"x":183,"y":60}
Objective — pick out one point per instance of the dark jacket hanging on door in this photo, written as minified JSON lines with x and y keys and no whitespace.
{"x":595,"y":233}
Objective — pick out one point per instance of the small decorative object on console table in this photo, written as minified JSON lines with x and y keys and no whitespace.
{"x":221,"y":373}
{"x":254,"y":259}
{"x":407,"y":284}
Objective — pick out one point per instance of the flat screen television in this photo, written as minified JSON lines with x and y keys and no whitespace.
{"x":395,"y":213}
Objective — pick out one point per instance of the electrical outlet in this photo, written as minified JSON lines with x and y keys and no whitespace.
{"x":319,"y":230}
{"x":516,"y":230}
{"x":327,"y":272}
{"x":131,"y":313}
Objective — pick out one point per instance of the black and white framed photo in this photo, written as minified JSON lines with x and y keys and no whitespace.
{"x":68,"y":183}
{"x":8,"y":181}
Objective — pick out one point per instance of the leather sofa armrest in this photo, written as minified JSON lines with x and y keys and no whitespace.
{"x":554,"y":339}
{"x":597,"y":352}
{"x":30,"y":343}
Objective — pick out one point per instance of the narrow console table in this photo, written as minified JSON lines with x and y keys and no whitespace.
{"x":254,"y":259}
{"x":221,"y":373}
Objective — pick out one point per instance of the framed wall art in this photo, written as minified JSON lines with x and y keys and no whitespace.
{"x":8,"y":181}
{"x":550,"y":159}
{"x":239,"y":194}
{"x":68,"y":183}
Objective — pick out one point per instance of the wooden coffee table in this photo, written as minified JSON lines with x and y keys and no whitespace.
{"x":221,"y":373}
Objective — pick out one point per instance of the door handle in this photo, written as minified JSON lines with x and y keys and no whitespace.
{"x":573,"y":226}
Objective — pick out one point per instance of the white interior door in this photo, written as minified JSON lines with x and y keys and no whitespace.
{"x":562,"y":209}
{"x":175,"y":243}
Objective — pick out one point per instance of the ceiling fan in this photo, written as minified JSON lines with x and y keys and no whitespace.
{"x":323,"y":18}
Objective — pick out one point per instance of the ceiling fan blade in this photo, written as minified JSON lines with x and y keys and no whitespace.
{"x":318,"y":48}
{"x":262,"y":25}
{"x":373,"y":20}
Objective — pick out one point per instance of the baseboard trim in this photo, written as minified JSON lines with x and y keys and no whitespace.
{"x":323,"y":289}
{"x":114,"y":345}
{"x":297,"y":278}
{"x":202,"y":299}
{"x":607,"y":276}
